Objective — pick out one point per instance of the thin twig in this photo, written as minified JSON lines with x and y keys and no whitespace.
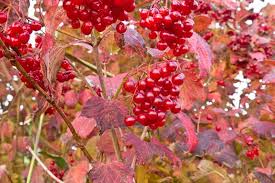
{"x":44,"y":166}
{"x":87,"y":64}
{"x":104,"y":93}
{"x":35,"y":147}
{"x":49,"y":99}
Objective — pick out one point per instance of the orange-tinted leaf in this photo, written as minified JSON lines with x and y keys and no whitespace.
{"x":77,"y":174}
{"x":201,"y":22}
{"x":191,"y":91}
{"x":84,"y":126}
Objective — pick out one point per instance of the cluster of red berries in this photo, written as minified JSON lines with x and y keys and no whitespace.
{"x":98,"y":14}
{"x":203,"y":7}
{"x":33,"y":68}
{"x":253,"y":150}
{"x":55,"y":170}
{"x":67,"y":74}
{"x":155,"y":95}
{"x":170,"y":26}
{"x":17,"y":35}
{"x":240,"y":43}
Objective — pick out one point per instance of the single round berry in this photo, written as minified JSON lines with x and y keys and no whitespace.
{"x":178,"y":79}
{"x":121,"y":28}
{"x":87,"y":28}
{"x":129,"y":86}
{"x":130,"y":121}
{"x":3,"y":17}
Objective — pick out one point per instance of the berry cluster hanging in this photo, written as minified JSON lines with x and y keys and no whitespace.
{"x":170,"y":26}
{"x":98,"y":14}
{"x":155,"y":95}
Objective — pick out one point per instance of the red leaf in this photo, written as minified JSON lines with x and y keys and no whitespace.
{"x":133,"y":39}
{"x":107,"y":113}
{"x":156,"y":53}
{"x":203,"y":51}
{"x":191,"y":91}
{"x":270,"y":77}
{"x":77,"y":174}
{"x":53,"y":18}
{"x":112,"y":84}
{"x":84,"y":96}
{"x":21,"y":143}
{"x":192,"y":139}
{"x":145,"y":151}
{"x":105,"y":143}
{"x":84,"y":126}
{"x":230,"y":4}
{"x":116,"y":172}
{"x":71,"y":98}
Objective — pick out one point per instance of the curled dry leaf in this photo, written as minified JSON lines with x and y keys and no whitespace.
{"x":107,"y":113}
{"x":116,"y":172}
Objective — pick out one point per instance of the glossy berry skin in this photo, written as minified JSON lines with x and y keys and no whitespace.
{"x":129,"y":86}
{"x":3,"y":17}
{"x":87,"y":28}
{"x":35,"y":26}
{"x":121,"y":28}
{"x":178,"y":79}
{"x":130,"y":121}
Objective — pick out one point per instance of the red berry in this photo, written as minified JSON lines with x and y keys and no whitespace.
{"x":87,"y":28}
{"x":178,"y":79}
{"x":130,"y":121}
{"x":24,"y":37}
{"x":121,"y":28}
{"x":3,"y":17}
{"x":139,"y":98}
{"x":130,"y":86}
{"x":35,"y":26}
{"x":155,"y":74}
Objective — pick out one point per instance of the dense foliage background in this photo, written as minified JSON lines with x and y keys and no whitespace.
{"x":71,"y":80}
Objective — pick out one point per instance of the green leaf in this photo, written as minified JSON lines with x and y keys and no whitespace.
{"x":60,"y":162}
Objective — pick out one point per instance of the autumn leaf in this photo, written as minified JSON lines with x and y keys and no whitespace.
{"x":84,"y":126}
{"x":107,"y":113}
{"x":203,"y":52}
{"x":210,"y":144}
{"x":201,"y":22}
{"x":71,"y":98}
{"x":191,"y":91}
{"x":145,"y":151}
{"x":192,"y":139}
{"x":116,"y":172}
{"x":77,"y":173}
{"x":112,"y":84}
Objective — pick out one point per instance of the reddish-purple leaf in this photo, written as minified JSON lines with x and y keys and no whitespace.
{"x":145,"y":151}
{"x":133,"y":39}
{"x":156,"y":53}
{"x":71,"y":98}
{"x":112,"y":84}
{"x":21,"y":143}
{"x":212,"y":145}
{"x":230,"y":4}
{"x":264,"y":175}
{"x":192,"y":139}
{"x":54,"y":17}
{"x":84,"y":126}
{"x":37,"y":175}
{"x":107,"y":113}
{"x":263,"y":128}
{"x":105,"y":143}
{"x":84,"y":96}
{"x":77,"y":174}
{"x":203,"y":52}
{"x":116,"y":172}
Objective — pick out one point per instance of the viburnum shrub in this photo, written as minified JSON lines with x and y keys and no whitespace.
{"x":124,"y":91}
